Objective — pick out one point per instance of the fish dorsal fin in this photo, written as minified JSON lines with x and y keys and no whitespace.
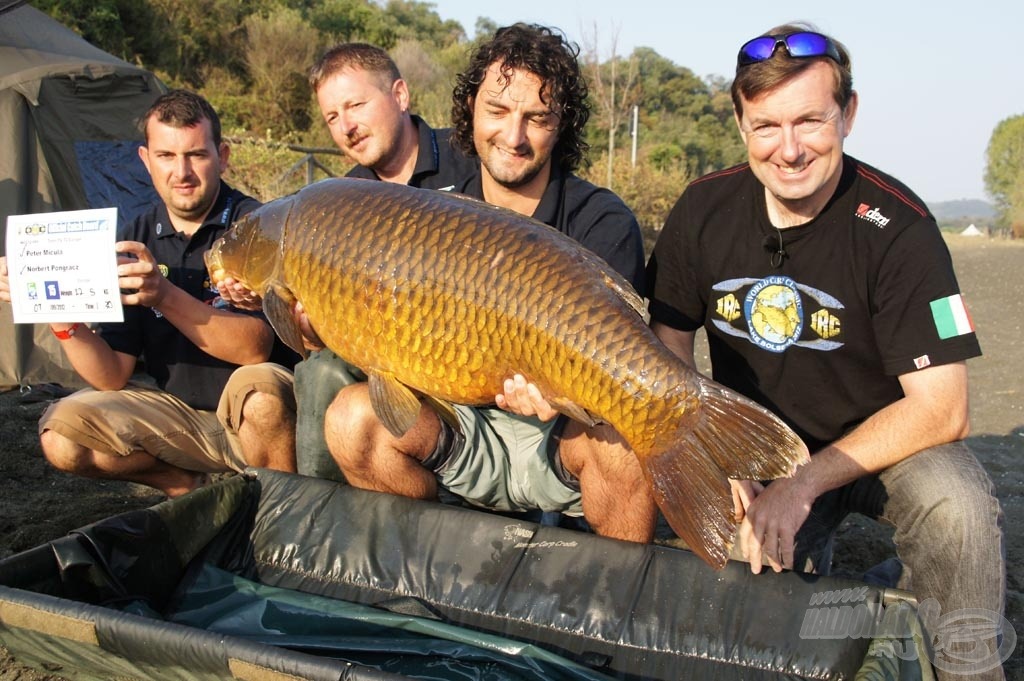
{"x":278,"y":302}
{"x":395,"y":404}
{"x":574,"y":411}
{"x":627,"y":293}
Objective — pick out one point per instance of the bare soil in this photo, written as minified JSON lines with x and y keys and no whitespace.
{"x":38,"y":503}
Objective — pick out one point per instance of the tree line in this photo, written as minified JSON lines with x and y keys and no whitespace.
{"x":1004,"y":174}
{"x":250,"y":59}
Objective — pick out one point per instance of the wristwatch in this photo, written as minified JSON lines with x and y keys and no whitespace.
{"x":68,"y":332}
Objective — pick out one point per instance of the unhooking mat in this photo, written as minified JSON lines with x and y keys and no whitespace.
{"x":278,"y":576}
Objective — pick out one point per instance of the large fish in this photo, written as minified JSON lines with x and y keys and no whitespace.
{"x":442,"y":297}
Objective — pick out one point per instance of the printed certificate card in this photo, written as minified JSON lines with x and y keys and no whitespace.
{"x":63,"y":267}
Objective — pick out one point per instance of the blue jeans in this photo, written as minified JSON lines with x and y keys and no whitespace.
{"x":948,"y":535}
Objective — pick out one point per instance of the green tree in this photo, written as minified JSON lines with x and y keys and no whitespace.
{"x":680,"y":111}
{"x":667,"y":87}
{"x":98,"y":21}
{"x":196,"y":34}
{"x":1004,"y":174}
{"x":430,"y":81}
{"x":484,"y":28}
{"x":279,"y":51}
{"x":418,"y":21}
{"x":354,"y":20}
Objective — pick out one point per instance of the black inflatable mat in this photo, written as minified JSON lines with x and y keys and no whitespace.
{"x":471,"y":586}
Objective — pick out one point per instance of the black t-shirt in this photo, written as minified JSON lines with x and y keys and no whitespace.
{"x":438,"y":164}
{"x":174,"y":362}
{"x":595,"y":217}
{"x":820,"y":334}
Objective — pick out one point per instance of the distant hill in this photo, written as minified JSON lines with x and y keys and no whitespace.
{"x":962,"y":209}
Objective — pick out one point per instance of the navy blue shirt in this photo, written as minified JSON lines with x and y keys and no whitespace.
{"x":438,"y":164}
{"x":174,"y":362}
{"x":594,"y":216}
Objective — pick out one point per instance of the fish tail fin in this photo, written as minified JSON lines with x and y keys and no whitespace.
{"x":729,"y":437}
{"x":747,"y":441}
{"x":694,"y":496}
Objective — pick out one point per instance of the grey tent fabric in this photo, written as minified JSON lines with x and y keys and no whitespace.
{"x":68,"y":130}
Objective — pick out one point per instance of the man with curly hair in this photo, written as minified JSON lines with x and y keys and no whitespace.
{"x":520,"y":107}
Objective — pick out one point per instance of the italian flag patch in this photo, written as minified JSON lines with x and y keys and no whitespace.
{"x":951,"y":317}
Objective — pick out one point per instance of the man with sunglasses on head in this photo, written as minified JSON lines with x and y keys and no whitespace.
{"x":828,"y":295}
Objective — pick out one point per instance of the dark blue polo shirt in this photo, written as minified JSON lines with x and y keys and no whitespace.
{"x":594,"y":216}
{"x":438,"y":164}
{"x":174,"y":362}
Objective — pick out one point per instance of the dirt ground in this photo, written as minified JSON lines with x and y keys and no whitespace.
{"x":38,"y":503}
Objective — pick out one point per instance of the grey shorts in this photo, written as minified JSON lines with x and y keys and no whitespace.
{"x":142,"y":417}
{"x":505,"y":462}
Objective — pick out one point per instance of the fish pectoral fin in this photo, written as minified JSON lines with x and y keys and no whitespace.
{"x":574,"y":411}
{"x":395,"y":404}
{"x":278,"y":302}
{"x":445,"y":410}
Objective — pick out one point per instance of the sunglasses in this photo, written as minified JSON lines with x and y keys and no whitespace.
{"x":798,"y":45}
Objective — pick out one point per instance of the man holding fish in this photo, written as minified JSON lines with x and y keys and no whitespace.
{"x":441,"y":299}
{"x":827,"y":294}
{"x":520,"y":108}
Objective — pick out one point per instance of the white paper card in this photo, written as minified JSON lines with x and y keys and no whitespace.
{"x":63,"y":267}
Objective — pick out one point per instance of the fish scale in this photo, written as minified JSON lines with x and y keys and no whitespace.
{"x":433,"y":294}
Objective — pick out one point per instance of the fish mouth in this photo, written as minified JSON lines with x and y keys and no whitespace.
{"x":214,"y":265}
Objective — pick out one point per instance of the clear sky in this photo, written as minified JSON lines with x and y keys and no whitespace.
{"x":934,"y":78}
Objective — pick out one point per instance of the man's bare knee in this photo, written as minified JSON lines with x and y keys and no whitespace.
{"x":62,"y":453}
{"x":349,"y":423}
{"x":267,"y":410}
{"x":352,"y":406}
{"x":617,"y":500}
{"x":267,"y":432}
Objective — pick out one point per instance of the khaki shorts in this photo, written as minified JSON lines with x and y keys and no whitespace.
{"x":142,"y":417}
{"x":505,"y":462}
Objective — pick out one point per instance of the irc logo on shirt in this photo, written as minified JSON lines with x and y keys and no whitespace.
{"x":773,"y":314}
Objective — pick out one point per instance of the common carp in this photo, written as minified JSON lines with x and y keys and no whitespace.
{"x":442,"y":297}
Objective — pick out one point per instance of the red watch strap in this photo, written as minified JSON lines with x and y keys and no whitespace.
{"x":68,"y":332}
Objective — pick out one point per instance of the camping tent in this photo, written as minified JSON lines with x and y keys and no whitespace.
{"x":68,"y":114}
